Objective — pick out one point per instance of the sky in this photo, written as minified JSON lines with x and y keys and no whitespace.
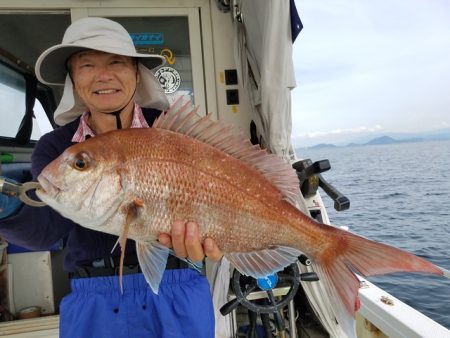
{"x":368,"y":68}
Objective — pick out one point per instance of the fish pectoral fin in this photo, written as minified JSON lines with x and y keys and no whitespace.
{"x":138,"y":202}
{"x":152,"y":260}
{"x":261,"y":263}
{"x":134,"y":210}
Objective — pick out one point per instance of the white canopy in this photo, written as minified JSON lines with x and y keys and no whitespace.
{"x":263,"y":54}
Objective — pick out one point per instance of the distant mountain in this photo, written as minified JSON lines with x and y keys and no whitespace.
{"x":390,"y":140}
{"x":323,"y":145}
{"x":378,"y":141}
{"x":440,"y":134}
{"x":381,"y":140}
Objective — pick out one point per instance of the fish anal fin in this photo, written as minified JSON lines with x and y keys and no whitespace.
{"x":262,"y":263}
{"x":152,"y":259}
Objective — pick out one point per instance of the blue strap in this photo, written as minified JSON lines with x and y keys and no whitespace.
{"x":8,"y":205}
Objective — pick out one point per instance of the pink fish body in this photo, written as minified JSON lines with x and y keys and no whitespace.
{"x":136,"y":182}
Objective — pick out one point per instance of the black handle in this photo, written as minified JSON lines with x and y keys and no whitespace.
{"x":306,"y":168}
{"x":309,"y":277}
{"x":310,"y":177}
{"x":228,"y":307}
{"x":341,"y":202}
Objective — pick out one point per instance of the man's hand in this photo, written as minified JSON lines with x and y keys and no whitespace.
{"x":184,"y":238}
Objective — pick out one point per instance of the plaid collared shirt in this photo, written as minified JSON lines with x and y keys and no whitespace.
{"x":84,"y":131}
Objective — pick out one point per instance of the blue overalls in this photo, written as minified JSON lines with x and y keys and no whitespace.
{"x":97,"y":308}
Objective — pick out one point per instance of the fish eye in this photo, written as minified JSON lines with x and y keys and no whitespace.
{"x":81,"y":162}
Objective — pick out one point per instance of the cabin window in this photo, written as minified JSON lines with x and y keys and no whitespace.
{"x":169,"y":37}
{"x":24,"y":35}
{"x":12,"y":109}
{"x":12,"y":97}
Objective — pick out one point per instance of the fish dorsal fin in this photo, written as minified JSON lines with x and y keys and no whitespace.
{"x":183,"y":118}
{"x":261,"y":263}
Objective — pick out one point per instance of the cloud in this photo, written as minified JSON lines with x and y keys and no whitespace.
{"x":344,"y":133}
{"x":371,"y":63}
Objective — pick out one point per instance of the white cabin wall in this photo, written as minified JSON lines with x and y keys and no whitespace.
{"x":223,"y":46}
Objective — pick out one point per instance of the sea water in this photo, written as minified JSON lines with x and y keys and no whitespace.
{"x":399,"y":195}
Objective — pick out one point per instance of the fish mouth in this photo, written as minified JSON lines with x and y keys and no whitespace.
{"x":47,"y":187}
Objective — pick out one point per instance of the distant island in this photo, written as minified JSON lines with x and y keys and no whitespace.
{"x":323,"y":145}
{"x":390,"y":140}
{"x":381,"y":140}
{"x":376,"y":141}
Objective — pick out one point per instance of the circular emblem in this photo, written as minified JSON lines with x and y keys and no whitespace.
{"x":169,"y":79}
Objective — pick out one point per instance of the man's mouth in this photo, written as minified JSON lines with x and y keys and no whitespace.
{"x":106,"y":91}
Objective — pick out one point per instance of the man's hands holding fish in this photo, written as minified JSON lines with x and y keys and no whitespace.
{"x":184,"y":238}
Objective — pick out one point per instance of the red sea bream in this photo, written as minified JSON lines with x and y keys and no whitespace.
{"x":135,"y":182}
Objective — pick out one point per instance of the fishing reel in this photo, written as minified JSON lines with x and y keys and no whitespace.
{"x":268,"y":295}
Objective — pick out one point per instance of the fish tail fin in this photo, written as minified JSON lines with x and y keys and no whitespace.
{"x":336,"y":269}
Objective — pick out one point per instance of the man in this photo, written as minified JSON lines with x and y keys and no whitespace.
{"x":106,"y":82}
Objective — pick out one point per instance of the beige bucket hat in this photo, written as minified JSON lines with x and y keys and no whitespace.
{"x":103,"y":35}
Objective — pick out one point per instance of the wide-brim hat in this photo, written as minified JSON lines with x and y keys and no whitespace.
{"x":103,"y":35}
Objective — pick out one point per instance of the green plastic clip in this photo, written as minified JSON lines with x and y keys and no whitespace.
{"x":6,"y":158}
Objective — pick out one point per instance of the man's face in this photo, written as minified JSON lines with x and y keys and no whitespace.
{"x":105,"y":82}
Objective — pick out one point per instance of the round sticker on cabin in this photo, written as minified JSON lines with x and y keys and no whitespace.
{"x":169,"y":79}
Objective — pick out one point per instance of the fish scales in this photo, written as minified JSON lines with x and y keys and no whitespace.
{"x":178,"y":179}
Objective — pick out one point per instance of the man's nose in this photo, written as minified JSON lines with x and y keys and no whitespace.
{"x":104,"y":73}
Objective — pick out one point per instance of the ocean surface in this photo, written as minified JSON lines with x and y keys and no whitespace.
{"x":399,"y":195}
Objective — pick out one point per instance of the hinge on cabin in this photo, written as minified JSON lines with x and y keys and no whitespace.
{"x":224,"y":5}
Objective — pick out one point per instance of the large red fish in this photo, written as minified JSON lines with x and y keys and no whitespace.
{"x":135,"y":182}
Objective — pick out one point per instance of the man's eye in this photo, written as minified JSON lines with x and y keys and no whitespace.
{"x":85,"y":65}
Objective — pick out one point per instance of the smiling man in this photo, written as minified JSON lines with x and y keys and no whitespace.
{"x":106,"y":83}
{"x":108,"y":86}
